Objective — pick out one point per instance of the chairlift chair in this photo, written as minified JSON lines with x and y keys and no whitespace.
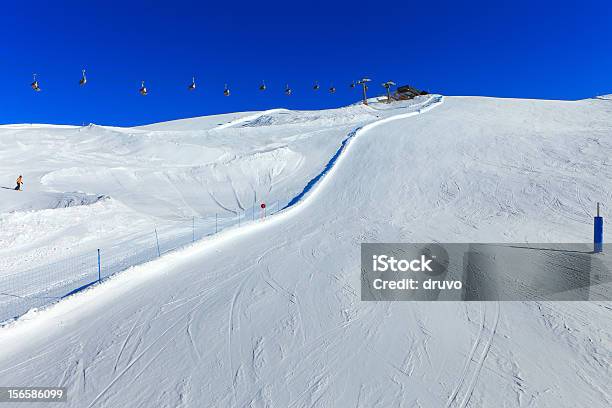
{"x":332,"y":89}
{"x":288,"y":90}
{"x":35,"y":85}
{"x":83,"y":79}
{"x":262,"y":87}
{"x":316,"y":86}
{"x":226,"y":91}
{"x":352,"y":84}
{"x":192,"y":85}
{"x":143,"y":90}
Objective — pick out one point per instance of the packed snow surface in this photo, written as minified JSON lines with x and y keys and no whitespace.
{"x":157,"y":176}
{"x":269,"y":315}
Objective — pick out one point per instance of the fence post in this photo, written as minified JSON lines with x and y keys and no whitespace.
{"x":157,"y":241}
{"x":193,"y":229}
{"x":238,"y":217}
{"x":99,"y":267}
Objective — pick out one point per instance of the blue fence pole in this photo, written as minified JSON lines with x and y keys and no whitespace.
{"x":99,"y":267}
{"x":598,"y":232}
{"x":157,"y":241}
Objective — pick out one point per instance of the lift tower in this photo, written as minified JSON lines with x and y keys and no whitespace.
{"x":364,"y":83}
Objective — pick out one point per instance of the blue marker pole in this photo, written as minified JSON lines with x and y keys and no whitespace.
{"x":598,"y":232}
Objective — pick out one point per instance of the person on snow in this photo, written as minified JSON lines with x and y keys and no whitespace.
{"x":19,"y":182}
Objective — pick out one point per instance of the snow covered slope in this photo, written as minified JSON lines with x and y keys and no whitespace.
{"x":270,"y":315}
{"x":156,"y":176}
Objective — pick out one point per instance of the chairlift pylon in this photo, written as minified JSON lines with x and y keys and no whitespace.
{"x":387,"y":85}
{"x":143,"y":89}
{"x":262,"y":87}
{"x":83,"y":79}
{"x":192,"y":85}
{"x":35,"y":85}
{"x":364,"y":83}
{"x":288,"y":90}
{"x":226,"y":91}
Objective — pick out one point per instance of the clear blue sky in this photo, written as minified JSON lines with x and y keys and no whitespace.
{"x":533,"y":49}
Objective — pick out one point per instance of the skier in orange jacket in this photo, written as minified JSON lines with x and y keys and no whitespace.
{"x":19,"y":182}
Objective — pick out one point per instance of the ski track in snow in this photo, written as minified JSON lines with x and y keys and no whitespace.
{"x":474,"y":363}
{"x":127,"y":338}
{"x":146,"y":349}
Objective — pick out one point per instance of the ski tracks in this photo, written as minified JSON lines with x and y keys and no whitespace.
{"x":466,"y":383}
{"x":180,"y":325}
{"x":234,"y":326}
{"x":125,"y":342}
{"x":191,"y":339}
{"x":140,"y":355}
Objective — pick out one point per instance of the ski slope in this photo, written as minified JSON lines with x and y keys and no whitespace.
{"x":270,"y":314}
{"x":130,"y":181}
